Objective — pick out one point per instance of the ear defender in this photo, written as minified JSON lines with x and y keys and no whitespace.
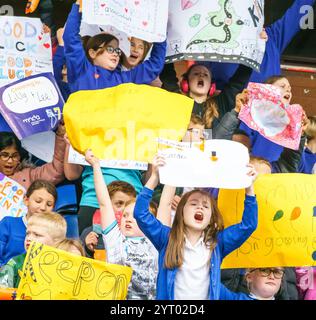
{"x":184,"y":86}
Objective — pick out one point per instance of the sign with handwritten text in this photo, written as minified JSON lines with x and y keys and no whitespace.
{"x":11,"y":198}
{"x":216,"y":30}
{"x":143,"y":19}
{"x":24,"y":48}
{"x":266,"y":113}
{"x":286,"y":232}
{"x":78,"y":158}
{"x":52,"y":274}
{"x":32,"y":105}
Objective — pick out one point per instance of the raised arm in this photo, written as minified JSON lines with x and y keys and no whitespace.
{"x":164,"y":209}
{"x":234,"y":236}
{"x":75,"y":55}
{"x":283,"y":30}
{"x":106,"y":209}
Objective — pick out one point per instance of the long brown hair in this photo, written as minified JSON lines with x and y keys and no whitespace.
{"x":175,"y":247}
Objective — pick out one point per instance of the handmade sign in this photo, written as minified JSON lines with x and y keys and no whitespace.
{"x":32,"y":105}
{"x":24,"y":48}
{"x":216,"y":30}
{"x":11,"y":198}
{"x":124,"y":122}
{"x":52,"y":274}
{"x":214,"y":167}
{"x":267,"y":114}
{"x":285,"y":235}
{"x":76,"y":157}
{"x":143,"y":19}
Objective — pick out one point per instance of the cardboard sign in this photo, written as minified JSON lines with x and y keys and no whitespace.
{"x":124,"y":122}
{"x":25,"y":49}
{"x":286,"y":233}
{"x":11,"y":198}
{"x":32,"y":105}
{"x":144,"y":19}
{"x":266,"y":114}
{"x":214,"y":167}
{"x":52,"y":274}
{"x":216,"y":30}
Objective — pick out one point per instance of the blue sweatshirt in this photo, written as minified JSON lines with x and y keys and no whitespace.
{"x":12,"y":235}
{"x":82,"y":75}
{"x":308,"y":161}
{"x":280,"y":34}
{"x":228,"y":240}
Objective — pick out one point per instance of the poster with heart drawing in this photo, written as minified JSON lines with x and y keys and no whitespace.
{"x":272,"y":118}
{"x":143,"y":19}
{"x":25,"y":49}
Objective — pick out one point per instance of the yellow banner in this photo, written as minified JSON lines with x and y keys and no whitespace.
{"x":124,"y":122}
{"x":286,"y":233}
{"x":52,"y":274}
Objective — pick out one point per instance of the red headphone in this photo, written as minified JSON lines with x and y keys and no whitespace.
{"x":184,"y":84}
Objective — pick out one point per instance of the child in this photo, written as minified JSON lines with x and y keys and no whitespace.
{"x":71,"y":245}
{"x":13,"y":164}
{"x":262,"y":283}
{"x":190,"y":253}
{"x":41,"y":196}
{"x":308,"y":160}
{"x":120,"y":193}
{"x":138,"y":52}
{"x":126,"y":245}
{"x":45,"y":227}
{"x":96,"y":68}
{"x":196,"y":82}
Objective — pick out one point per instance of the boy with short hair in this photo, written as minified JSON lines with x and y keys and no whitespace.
{"x":48,"y":228}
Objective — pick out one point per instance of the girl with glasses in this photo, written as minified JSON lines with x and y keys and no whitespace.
{"x":95,"y":67}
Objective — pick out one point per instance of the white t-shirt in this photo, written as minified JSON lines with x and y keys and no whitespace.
{"x":137,"y":253}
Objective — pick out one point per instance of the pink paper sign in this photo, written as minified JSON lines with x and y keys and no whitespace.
{"x":267,"y":114}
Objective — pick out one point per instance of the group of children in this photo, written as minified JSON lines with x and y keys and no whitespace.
{"x":174,"y":239}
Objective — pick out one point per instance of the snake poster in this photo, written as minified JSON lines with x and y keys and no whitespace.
{"x":216,"y":30}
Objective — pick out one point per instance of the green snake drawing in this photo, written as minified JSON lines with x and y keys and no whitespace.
{"x":224,"y":23}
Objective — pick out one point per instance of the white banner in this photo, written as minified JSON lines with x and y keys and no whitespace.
{"x":76,"y":157}
{"x":25,"y":49}
{"x":223,"y":164}
{"x":217,"y":30}
{"x":143,"y":19}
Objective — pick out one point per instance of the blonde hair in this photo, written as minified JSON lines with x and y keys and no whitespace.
{"x":175,"y":247}
{"x":67,"y":244}
{"x":260,"y":160}
{"x":311,"y":128}
{"x":54,"y":223}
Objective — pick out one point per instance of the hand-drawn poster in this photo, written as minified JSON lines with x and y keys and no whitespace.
{"x":266,"y":113}
{"x":25,"y":49}
{"x":286,"y":232}
{"x":11,"y":198}
{"x":124,"y":122}
{"x":143,"y":19}
{"x":32,"y":105}
{"x":213,"y":167}
{"x":216,"y":30}
{"x":52,"y":274}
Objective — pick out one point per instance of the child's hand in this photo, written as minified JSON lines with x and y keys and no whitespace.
{"x":158,"y":161}
{"x":91,"y":240}
{"x":61,"y":129}
{"x":253,"y":174}
{"x":241,"y":100}
{"x":46,"y":28}
{"x":175,"y":202}
{"x":90,"y":158}
{"x":264,"y":35}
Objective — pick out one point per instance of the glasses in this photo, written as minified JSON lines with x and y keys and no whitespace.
{"x":265,"y":272}
{"x":111,"y":50}
{"x":6,"y":156}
